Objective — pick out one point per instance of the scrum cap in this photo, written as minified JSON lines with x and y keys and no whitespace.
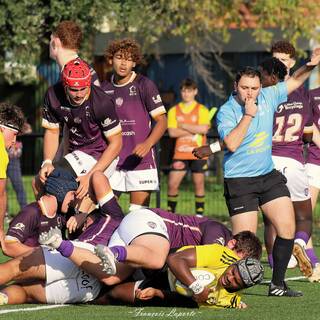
{"x":76,"y":73}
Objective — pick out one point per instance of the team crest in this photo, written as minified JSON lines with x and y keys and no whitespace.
{"x":77,"y":120}
{"x":152,"y":224}
{"x":119,"y":102}
{"x":19,"y":226}
{"x":132,"y":91}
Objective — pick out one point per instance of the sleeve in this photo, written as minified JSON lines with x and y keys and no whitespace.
{"x":105,"y":113}
{"x":151,"y":98}
{"x":276,"y":94}
{"x":23,"y":225}
{"x":204,"y":117}
{"x":172,"y":120}
{"x":49,"y":119}
{"x":226,"y":121}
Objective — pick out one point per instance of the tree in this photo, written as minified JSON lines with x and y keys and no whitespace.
{"x":203,"y":24}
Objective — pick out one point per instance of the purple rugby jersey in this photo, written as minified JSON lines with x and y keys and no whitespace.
{"x":313,"y":151}
{"x":136,"y":103}
{"x":30,"y":222}
{"x":191,"y":230}
{"x":290,"y":120}
{"x":89,"y":124}
{"x":101,"y":230}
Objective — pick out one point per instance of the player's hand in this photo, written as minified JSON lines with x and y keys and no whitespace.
{"x":242,"y":305}
{"x":250,"y":106}
{"x":83,"y":188}
{"x":2,"y":241}
{"x":142,"y":149}
{"x":45,"y":172}
{"x":75,"y":222}
{"x":202,"y":152}
{"x":203,"y":296}
{"x":315,"y":57}
{"x":148,"y":293}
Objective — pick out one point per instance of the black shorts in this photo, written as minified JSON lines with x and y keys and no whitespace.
{"x":248,"y":194}
{"x":195,"y":166}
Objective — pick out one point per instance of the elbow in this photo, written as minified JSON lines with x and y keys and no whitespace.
{"x":230,"y":144}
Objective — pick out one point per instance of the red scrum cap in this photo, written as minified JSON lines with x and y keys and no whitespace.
{"x":76,"y":73}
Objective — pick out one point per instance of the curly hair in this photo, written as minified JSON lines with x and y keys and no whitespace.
{"x":69,"y":33}
{"x":11,"y":115}
{"x":248,"y":243}
{"x":284,"y":47}
{"x":274,"y":66}
{"x":125,"y":46}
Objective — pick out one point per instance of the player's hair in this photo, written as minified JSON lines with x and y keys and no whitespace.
{"x":283,"y":46}
{"x":249,"y":72}
{"x":188,"y":83}
{"x":125,"y":46}
{"x":69,"y":33}
{"x":11,"y":116}
{"x":274,"y":66}
{"x":248,"y":243}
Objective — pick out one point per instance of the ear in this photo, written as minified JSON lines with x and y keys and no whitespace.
{"x":133,"y":65}
{"x":196,"y":91}
{"x":231,"y":244}
{"x":110,"y":62}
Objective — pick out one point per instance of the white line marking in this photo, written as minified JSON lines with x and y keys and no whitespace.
{"x":34,"y":309}
{"x":287,"y":279}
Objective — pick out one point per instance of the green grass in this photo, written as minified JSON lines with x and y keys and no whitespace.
{"x":260,"y":306}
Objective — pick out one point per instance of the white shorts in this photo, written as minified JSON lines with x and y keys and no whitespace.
{"x":67,"y":283}
{"x":82,"y":163}
{"x":297,"y":180}
{"x":313,"y":173}
{"x":139,"y":180}
{"x":135,"y":224}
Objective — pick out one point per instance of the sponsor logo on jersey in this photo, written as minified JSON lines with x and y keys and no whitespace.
{"x":157,"y":99}
{"x":290,"y":106}
{"x":66,"y":119}
{"x":127,"y":122}
{"x":65,"y":108}
{"x":109,"y":91}
{"x":152,"y":224}
{"x":77,"y":120}
{"x":221,"y":241}
{"x":107,"y":122}
{"x":44,"y":223}
{"x":19,"y":226}
{"x":119,"y":102}
{"x":128,"y":133}
{"x":147,"y":181}
{"x":132,"y":91}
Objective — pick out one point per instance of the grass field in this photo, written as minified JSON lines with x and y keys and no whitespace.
{"x":260,"y":306}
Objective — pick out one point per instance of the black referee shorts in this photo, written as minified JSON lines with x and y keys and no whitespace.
{"x":248,"y":194}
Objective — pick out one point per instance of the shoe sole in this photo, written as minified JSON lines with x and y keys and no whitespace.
{"x":107,"y":261}
{"x":304,"y":263}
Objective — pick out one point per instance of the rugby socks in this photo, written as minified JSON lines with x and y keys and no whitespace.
{"x":312,"y":256}
{"x":66,"y":248}
{"x":199,"y":203}
{"x":282,"y":250}
{"x":302,"y":238}
{"x":119,"y":252}
{"x":172,"y":203}
{"x":110,"y":206}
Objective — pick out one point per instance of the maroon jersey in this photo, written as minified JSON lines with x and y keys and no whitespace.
{"x":30,"y":222}
{"x":313,"y":150}
{"x":291,"y":120}
{"x":192,"y":230}
{"x":101,"y":230}
{"x":136,"y":103}
{"x":89,"y":124}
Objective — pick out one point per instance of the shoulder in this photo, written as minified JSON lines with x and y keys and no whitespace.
{"x":144,"y":82}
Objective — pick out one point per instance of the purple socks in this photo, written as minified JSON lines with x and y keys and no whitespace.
{"x":119,"y":252}
{"x":312,"y":256}
{"x":66,"y":248}
{"x":303,"y":236}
